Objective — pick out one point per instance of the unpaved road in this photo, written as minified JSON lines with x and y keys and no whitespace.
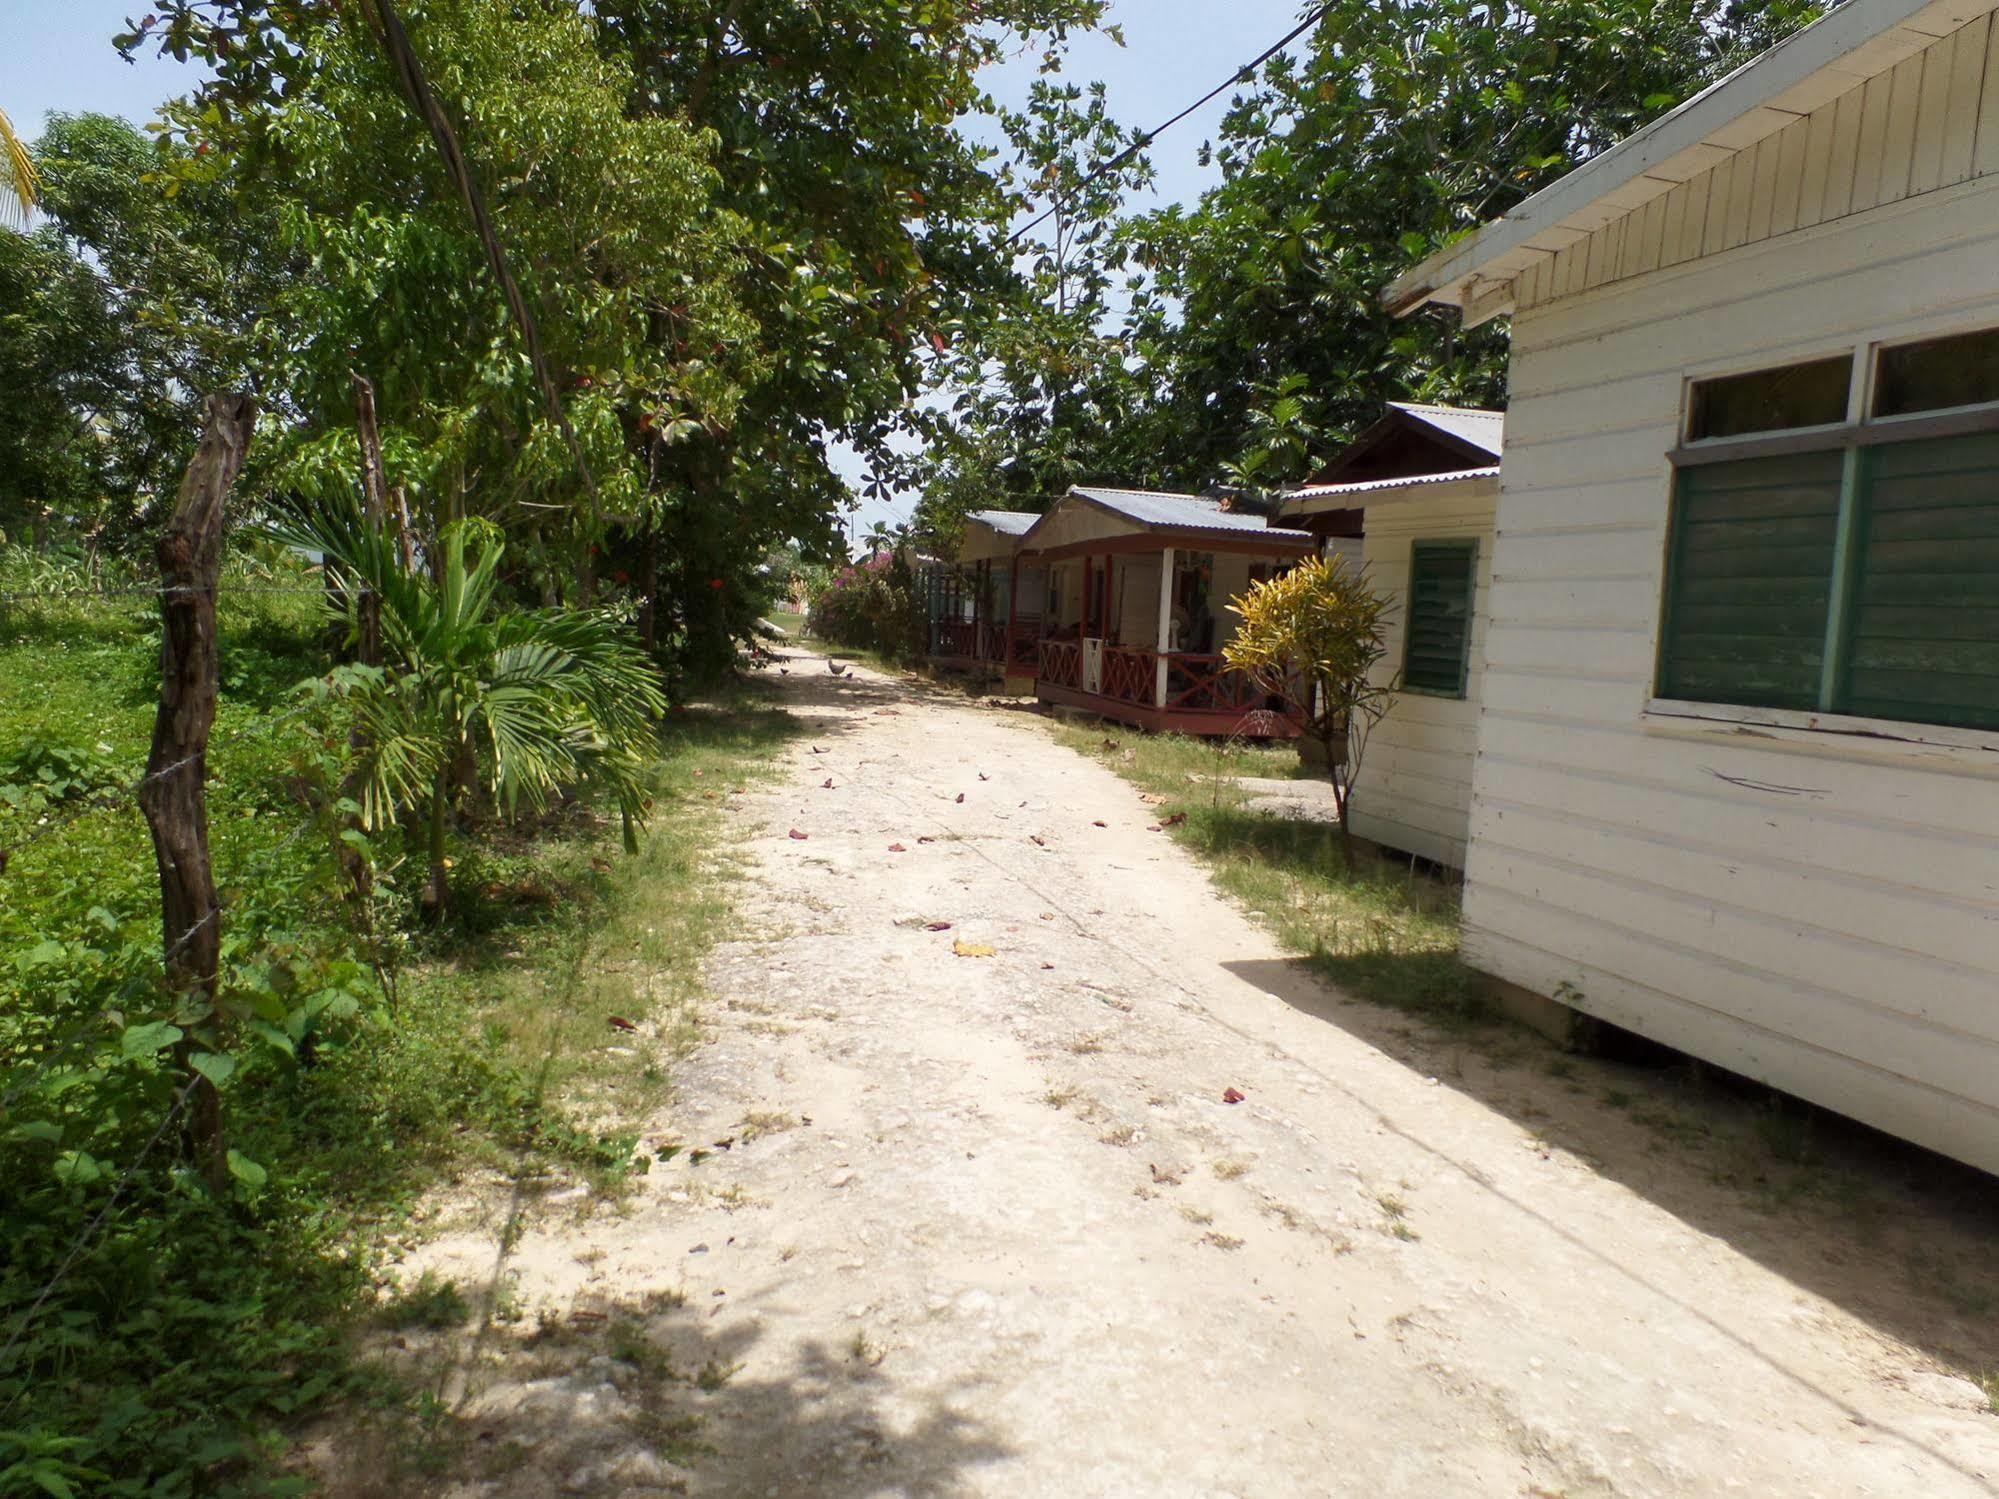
{"x":1023,"y":1247}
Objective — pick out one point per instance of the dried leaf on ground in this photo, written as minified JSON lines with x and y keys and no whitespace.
{"x":1175,"y":820}
{"x":926,"y":840}
{"x":961,"y":796}
{"x":936,"y":926}
{"x":897,"y":848}
{"x":801,"y":837}
{"x":1037,"y":840}
{"x":1099,"y":823}
{"x":966,"y":949}
{"x":619,"y":1023}
{"x":1233,"y":1095}
{"x":887,"y":712}
{"x":827,"y":784}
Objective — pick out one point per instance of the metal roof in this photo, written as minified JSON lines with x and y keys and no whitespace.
{"x":1297,"y":501}
{"x":1179,"y":512}
{"x":1843,"y":48}
{"x":1006,"y":522}
{"x":1482,"y":429}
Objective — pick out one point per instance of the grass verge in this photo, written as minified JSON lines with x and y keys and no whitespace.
{"x":1387,"y":931}
{"x":155,"y":1339}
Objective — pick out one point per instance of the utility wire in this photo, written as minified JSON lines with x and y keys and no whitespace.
{"x":1145,"y":138}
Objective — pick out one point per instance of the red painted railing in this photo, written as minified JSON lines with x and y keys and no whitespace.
{"x":1202,"y":683}
{"x":1130,"y":676}
{"x":1062,"y":663}
{"x":955,"y":637}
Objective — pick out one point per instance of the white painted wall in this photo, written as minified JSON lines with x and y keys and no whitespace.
{"x":1816,"y":910}
{"x":1415,"y":784}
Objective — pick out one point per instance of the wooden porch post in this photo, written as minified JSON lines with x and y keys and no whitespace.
{"x":1012,"y":610}
{"x":1165,"y":624}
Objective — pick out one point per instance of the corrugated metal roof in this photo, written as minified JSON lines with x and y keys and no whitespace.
{"x":1482,"y":429}
{"x":1180,"y":512}
{"x":1006,"y":522}
{"x":1366,"y":487}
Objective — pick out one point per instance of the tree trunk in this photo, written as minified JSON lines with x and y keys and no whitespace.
{"x":375,"y":505}
{"x":437,"y":893}
{"x":173,"y":793}
{"x":649,"y":603}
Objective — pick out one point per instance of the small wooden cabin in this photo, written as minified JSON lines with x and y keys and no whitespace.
{"x":1133,"y":612}
{"x":1738,"y":758}
{"x":1418,"y":490}
{"x":968,"y":598}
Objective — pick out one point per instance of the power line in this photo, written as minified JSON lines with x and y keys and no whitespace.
{"x":1145,"y":138}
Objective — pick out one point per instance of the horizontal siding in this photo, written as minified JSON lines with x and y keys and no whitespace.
{"x":1414,"y":788}
{"x":1817,"y":911}
{"x":1929,"y":122}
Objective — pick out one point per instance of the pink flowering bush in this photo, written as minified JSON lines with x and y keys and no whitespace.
{"x":870,"y":605}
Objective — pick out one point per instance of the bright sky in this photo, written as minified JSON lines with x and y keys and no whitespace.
{"x":57,"y":55}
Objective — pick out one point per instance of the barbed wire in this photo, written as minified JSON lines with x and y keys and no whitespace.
{"x":104,"y":801}
{"x":158,"y":590}
{"x":81,"y":1241}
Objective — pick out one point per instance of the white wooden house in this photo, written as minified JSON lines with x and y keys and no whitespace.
{"x":1419,"y":487}
{"x":1738,"y":756}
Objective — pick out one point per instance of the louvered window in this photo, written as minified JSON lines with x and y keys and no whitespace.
{"x":1855,"y":572}
{"x":1443,"y":579}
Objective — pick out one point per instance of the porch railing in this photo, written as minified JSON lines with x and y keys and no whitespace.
{"x":954,"y":637}
{"x":1205,"y":684}
{"x":1062,"y":663}
{"x":1131,"y":676}
{"x":1024,"y":648}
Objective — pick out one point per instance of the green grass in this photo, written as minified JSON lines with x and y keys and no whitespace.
{"x":1383,"y":932}
{"x":189,"y":1334}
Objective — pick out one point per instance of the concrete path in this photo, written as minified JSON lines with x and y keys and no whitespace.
{"x":986,"y":1225}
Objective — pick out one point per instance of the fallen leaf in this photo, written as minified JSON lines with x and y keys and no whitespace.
{"x":961,"y":796}
{"x":815,"y":750}
{"x":1046,"y":966}
{"x":936,"y":926}
{"x":926,"y":840}
{"x":1047,"y":915}
{"x":724,"y":1144}
{"x":1100,"y":823}
{"x":1037,"y":840}
{"x":887,"y":712}
{"x":827,"y":784}
{"x":601,"y":865}
{"x":1152,"y":798}
{"x":1175,"y":820}
{"x":897,"y":848}
{"x":619,"y":1023}
{"x":1232,"y":1095}
{"x":696,"y":1157}
{"x":984,"y":777}
{"x":801,"y":837}
{"x":1152,"y":828}
{"x":966,"y":949}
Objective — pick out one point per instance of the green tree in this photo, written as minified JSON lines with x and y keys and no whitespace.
{"x":1405,"y":125}
{"x":1313,"y":636}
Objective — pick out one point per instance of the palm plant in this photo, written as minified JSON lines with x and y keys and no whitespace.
{"x":18,"y":181}
{"x":525,"y":701}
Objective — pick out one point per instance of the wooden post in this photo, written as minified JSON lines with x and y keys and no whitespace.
{"x":1012,"y":616}
{"x":1165,"y":624}
{"x":173,"y":793}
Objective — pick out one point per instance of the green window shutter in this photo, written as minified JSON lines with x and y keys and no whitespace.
{"x":1750,"y":581}
{"x":1924,"y":641}
{"x":1443,"y":580}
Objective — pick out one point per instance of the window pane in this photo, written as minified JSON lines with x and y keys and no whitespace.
{"x":1798,"y":395}
{"x":1751,"y":580}
{"x":1442,"y":583}
{"x":1938,"y":374}
{"x":1924,"y":646}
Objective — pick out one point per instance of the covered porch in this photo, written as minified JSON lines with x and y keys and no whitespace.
{"x":968,"y":598}
{"x":1134,"y":615}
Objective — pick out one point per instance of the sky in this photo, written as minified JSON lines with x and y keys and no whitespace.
{"x":57,"y":55}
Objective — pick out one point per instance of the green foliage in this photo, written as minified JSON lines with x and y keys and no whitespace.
{"x":190,"y":1333}
{"x":1313,"y":635}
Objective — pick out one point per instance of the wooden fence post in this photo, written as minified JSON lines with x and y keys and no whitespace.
{"x":173,"y":795}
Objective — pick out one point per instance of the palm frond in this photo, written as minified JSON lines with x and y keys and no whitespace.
{"x":19,"y":182}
